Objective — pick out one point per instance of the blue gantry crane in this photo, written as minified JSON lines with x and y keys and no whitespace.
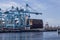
{"x":16,"y":18}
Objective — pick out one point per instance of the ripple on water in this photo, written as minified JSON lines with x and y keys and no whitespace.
{"x":30,"y":36}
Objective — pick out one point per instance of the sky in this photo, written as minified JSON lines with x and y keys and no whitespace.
{"x":49,"y":8}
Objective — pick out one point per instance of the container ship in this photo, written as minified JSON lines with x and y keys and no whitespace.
{"x":18,"y":20}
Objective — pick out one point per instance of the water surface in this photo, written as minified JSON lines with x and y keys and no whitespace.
{"x":30,"y":36}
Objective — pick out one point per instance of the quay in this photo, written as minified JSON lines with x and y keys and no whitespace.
{"x":31,"y":30}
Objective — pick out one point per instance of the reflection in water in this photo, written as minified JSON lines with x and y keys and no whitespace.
{"x":40,"y":36}
{"x":9,"y":36}
{"x":30,"y":36}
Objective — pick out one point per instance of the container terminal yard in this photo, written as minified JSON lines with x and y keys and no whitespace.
{"x":17,"y":19}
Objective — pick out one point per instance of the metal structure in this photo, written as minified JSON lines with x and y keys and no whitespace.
{"x":15,"y":18}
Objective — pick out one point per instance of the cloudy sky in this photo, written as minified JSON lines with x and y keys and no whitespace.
{"x":49,"y":8}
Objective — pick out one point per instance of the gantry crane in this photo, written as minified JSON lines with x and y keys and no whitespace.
{"x":16,"y":18}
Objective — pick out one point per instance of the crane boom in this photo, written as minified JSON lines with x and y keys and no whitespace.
{"x":32,"y":12}
{"x":26,"y":12}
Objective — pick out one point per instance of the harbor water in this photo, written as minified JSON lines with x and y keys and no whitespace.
{"x":30,"y":36}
